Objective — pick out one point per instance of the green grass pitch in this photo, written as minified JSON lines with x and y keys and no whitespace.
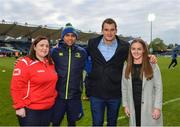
{"x":171,"y":96}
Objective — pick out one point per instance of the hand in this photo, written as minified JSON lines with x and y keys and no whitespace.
{"x":156,"y":113}
{"x":21,"y":112}
{"x":126,"y":110}
{"x":56,"y":46}
{"x":153,"y":59}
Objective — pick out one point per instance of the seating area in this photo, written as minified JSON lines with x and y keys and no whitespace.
{"x":9,"y":48}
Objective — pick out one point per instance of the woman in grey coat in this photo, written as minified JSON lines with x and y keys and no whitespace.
{"x":141,"y":88}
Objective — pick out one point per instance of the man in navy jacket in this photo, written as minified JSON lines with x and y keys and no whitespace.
{"x":69,"y":61}
{"x":108,"y":54}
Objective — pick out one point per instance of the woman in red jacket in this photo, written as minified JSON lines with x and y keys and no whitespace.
{"x":33,"y":85}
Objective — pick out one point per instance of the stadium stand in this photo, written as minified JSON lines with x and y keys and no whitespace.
{"x":17,"y":36}
{"x":19,"y":30}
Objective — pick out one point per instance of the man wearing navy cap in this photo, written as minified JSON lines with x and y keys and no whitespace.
{"x":69,"y":61}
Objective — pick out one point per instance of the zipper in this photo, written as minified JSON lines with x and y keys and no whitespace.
{"x":68,"y":75}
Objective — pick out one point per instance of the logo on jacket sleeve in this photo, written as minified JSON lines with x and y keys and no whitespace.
{"x":60,"y":53}
{"x":17,"y":72}
{"x":77,"y":55}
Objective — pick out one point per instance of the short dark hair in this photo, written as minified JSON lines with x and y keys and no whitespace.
{"x":109,"y":21}
{"x":32,"y":54}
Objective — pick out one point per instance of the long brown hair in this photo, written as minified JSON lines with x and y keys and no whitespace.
{"x":146,"y":66}
{"x":32,"y":53}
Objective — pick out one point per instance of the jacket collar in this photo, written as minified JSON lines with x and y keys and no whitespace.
{"x":65,"y":46}
{"x":99,"y":54}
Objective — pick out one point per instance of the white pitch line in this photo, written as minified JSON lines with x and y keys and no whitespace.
{"x":170,"y":101}
{"x":165,"y":103}
{"x":122,"y":117}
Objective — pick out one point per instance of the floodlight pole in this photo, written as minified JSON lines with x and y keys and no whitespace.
{"x":151,"y":32}
{"x":151,"y":18}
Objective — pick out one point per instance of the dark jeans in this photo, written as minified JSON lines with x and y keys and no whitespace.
{"x":36,"y":118}
{"x":73,"y":109}
{"x":98,"y":107}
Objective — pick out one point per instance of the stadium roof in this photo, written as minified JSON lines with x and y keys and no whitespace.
{"x":177,"y":48}
{"x":17,"y":30}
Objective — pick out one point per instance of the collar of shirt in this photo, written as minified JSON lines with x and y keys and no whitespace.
{"x":113,"y":44}
{"x":107,"y":50}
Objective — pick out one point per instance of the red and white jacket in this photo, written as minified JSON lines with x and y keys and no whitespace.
{"x":33,"y":84}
